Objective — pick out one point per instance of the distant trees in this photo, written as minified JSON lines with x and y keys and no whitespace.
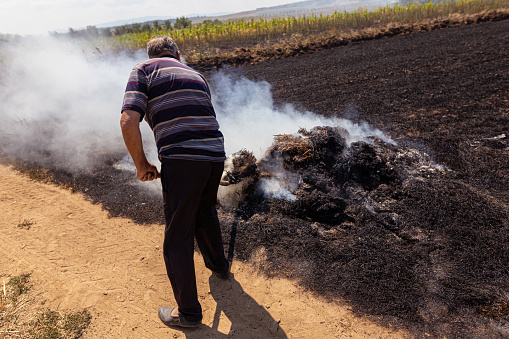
{"x":209,"y":22}
{"x":182,"y":22}
{"x":120,"y":30}
{"x":106,"y":32}
{"x":419,"y":2}
{"x":7,"y":38}
{"x":135,"y":28}
{"x":92,"y":31}
{"x":89,"y":32}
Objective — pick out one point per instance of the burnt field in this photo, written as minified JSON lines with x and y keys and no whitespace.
{"x":427,"y":249}
{"x":413,"y":234}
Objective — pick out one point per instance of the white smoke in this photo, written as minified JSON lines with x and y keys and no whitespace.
{"x":249,"y":119}
{"x":61,"y":100}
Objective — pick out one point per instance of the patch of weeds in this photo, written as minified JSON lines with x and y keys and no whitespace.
{"x":25,"y":224}
{"x":53,"y":325}
{"x":46,"y":326}
{"x":18,"y":285}
{"x":76,"y":323}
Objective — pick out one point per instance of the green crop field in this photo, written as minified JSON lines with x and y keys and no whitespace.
{"x":206,"y":39}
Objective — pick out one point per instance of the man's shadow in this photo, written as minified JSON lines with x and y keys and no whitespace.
{"x":237,"y":314}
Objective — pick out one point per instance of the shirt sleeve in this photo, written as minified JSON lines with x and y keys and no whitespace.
{"x":206,"y":86}
{"x":136,"y":93}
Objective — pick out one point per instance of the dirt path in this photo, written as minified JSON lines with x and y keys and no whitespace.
{"x":81,"y":258}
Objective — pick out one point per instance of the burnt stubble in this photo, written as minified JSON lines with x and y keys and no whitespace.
{"x":431,"y":252}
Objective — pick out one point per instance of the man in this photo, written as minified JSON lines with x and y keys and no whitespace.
{"x":175,"y":101}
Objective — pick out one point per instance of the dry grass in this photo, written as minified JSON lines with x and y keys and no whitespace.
{"x":18,"y":320}
{"x":295,"y":147}
{"x":54,"y":325}
{"x":14,"y":307}
{"x":18,"y":286}
{"x":243,"y":165}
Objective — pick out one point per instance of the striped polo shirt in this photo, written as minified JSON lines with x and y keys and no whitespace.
{"x":175,"y":101}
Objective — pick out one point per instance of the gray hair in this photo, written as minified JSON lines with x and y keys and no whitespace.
{"x":160,"y":44}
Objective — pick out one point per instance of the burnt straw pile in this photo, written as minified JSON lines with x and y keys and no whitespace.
{"x":381,"y":226}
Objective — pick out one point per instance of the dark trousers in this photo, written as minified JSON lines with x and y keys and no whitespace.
{"x":190,"y":195}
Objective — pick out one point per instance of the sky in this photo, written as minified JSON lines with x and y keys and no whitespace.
{"x":34,"y":17}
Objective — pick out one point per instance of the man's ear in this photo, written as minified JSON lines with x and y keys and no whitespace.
{"x":178,"y":55}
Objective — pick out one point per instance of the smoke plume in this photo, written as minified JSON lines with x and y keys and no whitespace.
{"x":250,"y":120}
{"x":61,"y":104}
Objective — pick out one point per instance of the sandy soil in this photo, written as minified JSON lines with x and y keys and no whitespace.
{"x":79,"y":257}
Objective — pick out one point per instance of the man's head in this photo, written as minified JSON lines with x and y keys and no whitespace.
{"x":162,"y":45}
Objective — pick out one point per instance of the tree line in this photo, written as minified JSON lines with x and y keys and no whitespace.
{"x":136,"y":28}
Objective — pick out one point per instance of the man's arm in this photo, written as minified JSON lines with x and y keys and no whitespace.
{"x":130,"y":124}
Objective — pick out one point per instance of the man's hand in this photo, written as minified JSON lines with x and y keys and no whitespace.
{"x":130,"y":124}
{"x":148,"y":173}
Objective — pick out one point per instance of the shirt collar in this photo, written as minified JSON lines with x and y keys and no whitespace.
{"x":167,"y":56}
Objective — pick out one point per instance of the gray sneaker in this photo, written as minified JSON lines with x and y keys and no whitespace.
{"x":169,"y":320}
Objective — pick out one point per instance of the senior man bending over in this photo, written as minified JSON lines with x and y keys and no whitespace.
{"x":175,"y":101}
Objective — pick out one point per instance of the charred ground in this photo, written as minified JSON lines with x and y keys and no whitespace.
{"x":428,"y":250}
{"x":384,"y":227}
